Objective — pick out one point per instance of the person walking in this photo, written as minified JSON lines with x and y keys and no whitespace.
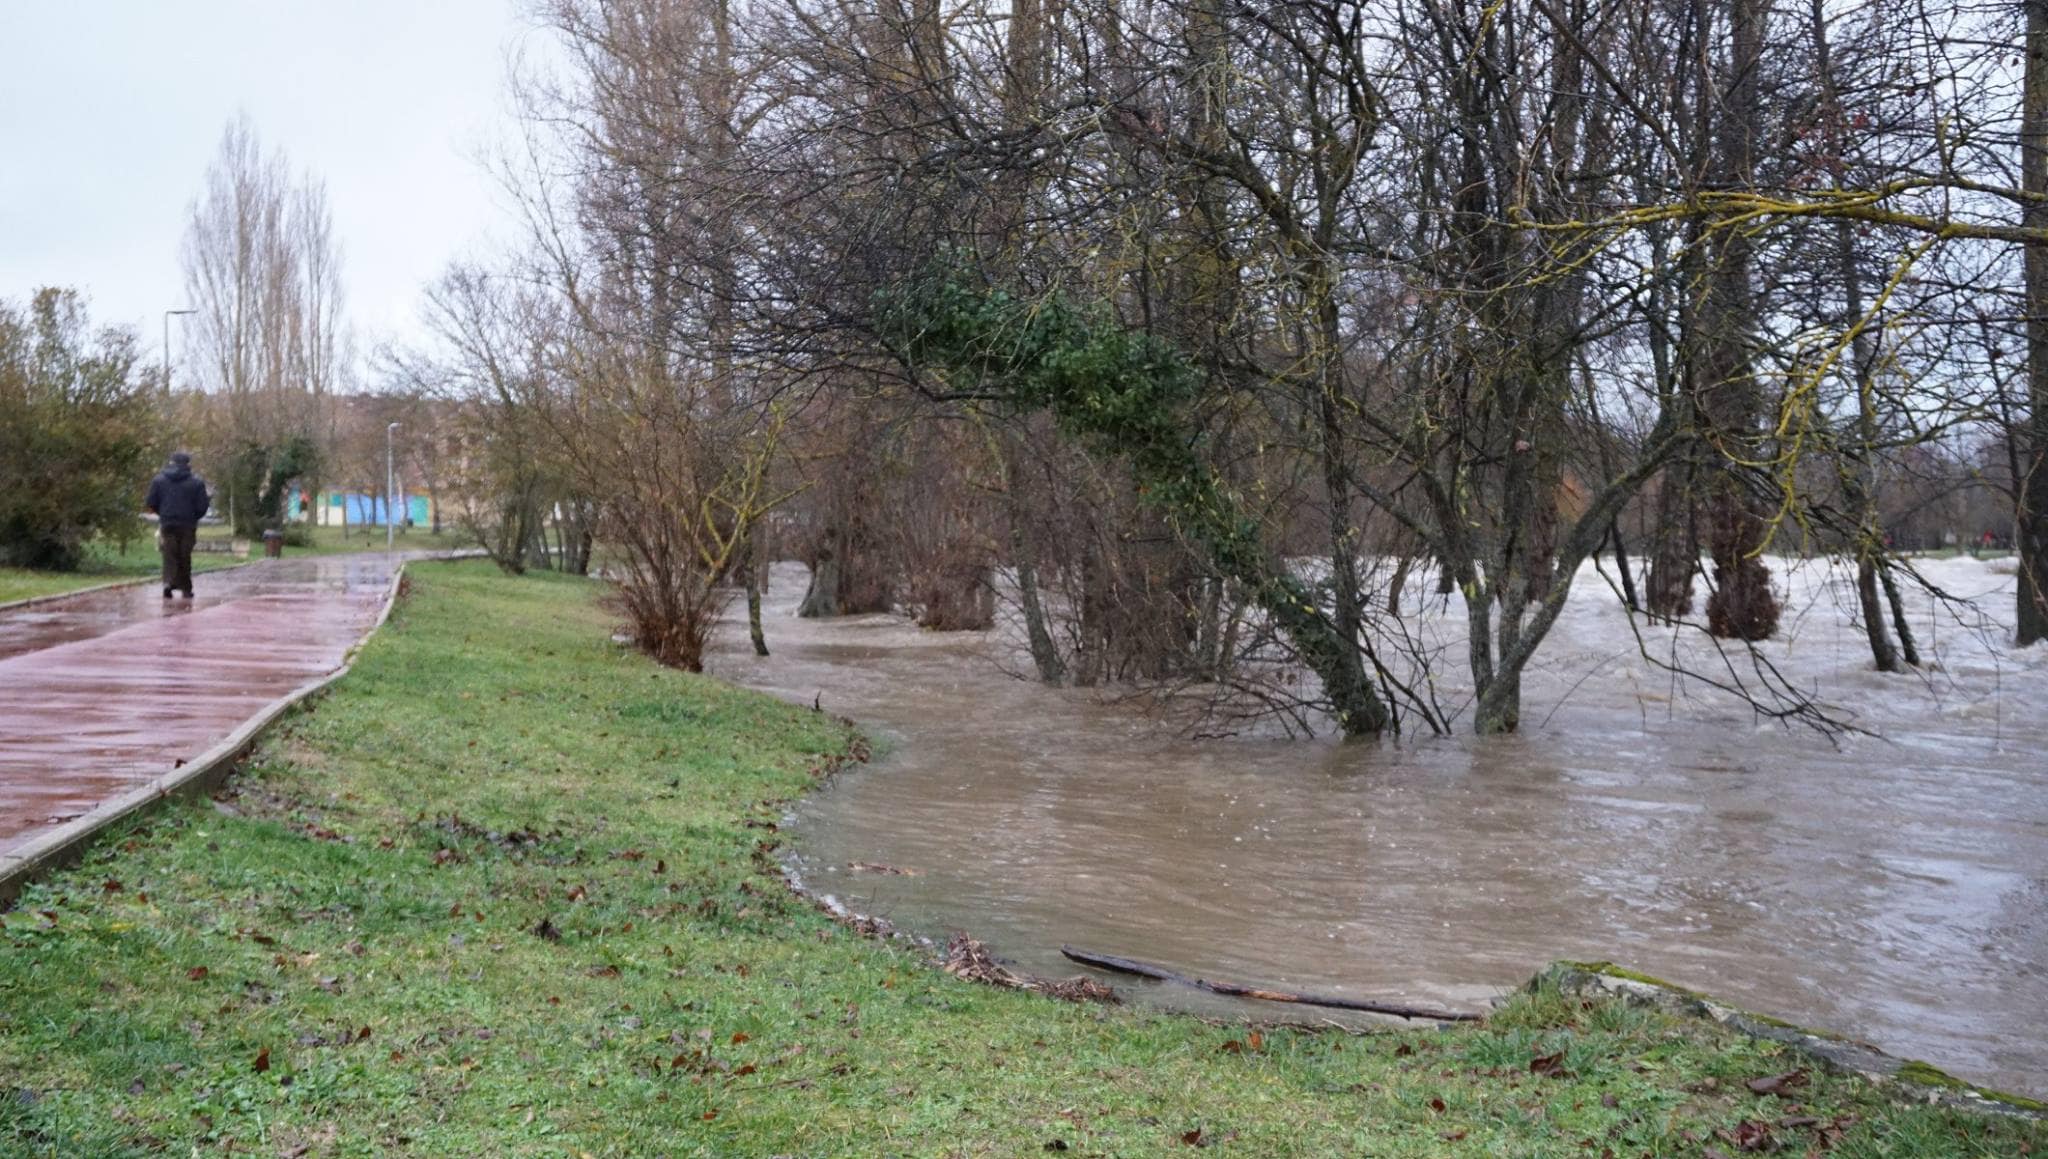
{"x":177,"y":498}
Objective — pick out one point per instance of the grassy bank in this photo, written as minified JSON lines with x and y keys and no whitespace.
{"x":110,"y":561}
{"x":508,"y":890}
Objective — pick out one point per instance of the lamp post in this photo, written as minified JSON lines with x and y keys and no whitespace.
{"x":167,"y":345}
{"x":390,"y":487}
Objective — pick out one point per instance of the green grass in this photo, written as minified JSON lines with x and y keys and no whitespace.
{"x":509,"y":891}
{"x":111,"y":562}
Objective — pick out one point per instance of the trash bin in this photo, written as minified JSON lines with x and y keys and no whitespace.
{"x":273,"y":544}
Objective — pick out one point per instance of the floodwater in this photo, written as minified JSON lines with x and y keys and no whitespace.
{"x":1893,"y":890}
{"x":105,"y":691}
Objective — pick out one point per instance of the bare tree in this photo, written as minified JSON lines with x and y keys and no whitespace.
{"x":263,"y":270}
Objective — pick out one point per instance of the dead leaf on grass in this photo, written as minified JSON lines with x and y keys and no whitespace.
{"x":1778,"y":1084}
{"x":1749,"y":1135}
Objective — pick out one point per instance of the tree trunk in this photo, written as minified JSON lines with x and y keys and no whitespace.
{"x":1499,"y":706}
{"x":1675,"y":550}
{"x":821,"y":599}
{"x":1045,"y":656}
{"x":1742,"y":605}
{"x":1402,"y":567}
{"x":1859,"y":480}
{"x":1907,"y":648}
{"x":757,"y":578}
{"x":1881,"y":651}
{"x":2032,"y":540}
{"x":1628,"y":579}
{"x":1342,"y":666}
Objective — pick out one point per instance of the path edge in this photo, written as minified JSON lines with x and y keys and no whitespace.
{"x":1909,"y":1078}
{"x":62,"y":845}
{"x":110,"y":585}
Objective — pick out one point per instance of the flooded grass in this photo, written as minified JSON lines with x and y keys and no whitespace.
{"x":498,"y":894}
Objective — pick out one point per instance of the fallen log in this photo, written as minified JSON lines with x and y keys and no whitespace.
{"x":1264,"y":994}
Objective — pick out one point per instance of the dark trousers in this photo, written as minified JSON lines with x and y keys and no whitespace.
{"x":177,"y":549}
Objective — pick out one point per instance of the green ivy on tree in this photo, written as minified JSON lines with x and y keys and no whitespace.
{"x":1128,"y":393}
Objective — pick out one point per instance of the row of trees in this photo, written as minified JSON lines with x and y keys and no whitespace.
{"x":267,"y":343}
{"x":1195,"y":329}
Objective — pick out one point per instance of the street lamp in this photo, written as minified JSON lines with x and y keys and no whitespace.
{"x":390,"y":486}
{"x":167,"y":345}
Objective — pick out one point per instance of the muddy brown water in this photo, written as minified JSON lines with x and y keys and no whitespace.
{"x":1894,"y":891}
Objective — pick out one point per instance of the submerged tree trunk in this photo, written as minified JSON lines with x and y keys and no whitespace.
{"x":1742,"y":605}
{"x":1045,"y":654}
{"x":1628,"y":578}
{"x":1497,"y":709}
{"x":1675,"y":550}
{"x":848,"y":575}
{"x":1881,"y":653}
{"x":1907,"y":648}
{"x":821,"y":599}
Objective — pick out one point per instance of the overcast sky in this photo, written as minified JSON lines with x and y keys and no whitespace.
{"x":110,"y":111}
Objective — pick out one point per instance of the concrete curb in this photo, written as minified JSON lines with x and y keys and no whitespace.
{"x":58,"y":846}
{"x":1908,"y":1078}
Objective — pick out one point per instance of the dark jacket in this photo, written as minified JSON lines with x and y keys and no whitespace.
{"x":177,"y":496}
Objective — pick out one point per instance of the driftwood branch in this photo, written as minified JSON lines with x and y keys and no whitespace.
{"x":1264,"y":994}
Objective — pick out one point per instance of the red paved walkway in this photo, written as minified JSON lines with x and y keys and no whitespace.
{"x":104,"y":691}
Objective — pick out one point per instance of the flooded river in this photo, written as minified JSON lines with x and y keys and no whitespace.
{"x":1895,"y":890}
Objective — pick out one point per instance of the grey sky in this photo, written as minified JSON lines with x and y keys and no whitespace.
{"x":110,"y":111}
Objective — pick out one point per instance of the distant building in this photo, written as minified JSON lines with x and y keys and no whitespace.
{"x":338,"y":508}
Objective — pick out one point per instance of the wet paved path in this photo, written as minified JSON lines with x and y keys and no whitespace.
{"x":104,"y":691}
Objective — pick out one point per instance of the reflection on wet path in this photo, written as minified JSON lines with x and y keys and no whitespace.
{"x":1896,"y":891}
{"x":104,"y":691}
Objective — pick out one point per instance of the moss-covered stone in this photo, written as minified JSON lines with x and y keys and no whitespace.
{"x":1833,"y":1051}
{"x":1923,"y":1074}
